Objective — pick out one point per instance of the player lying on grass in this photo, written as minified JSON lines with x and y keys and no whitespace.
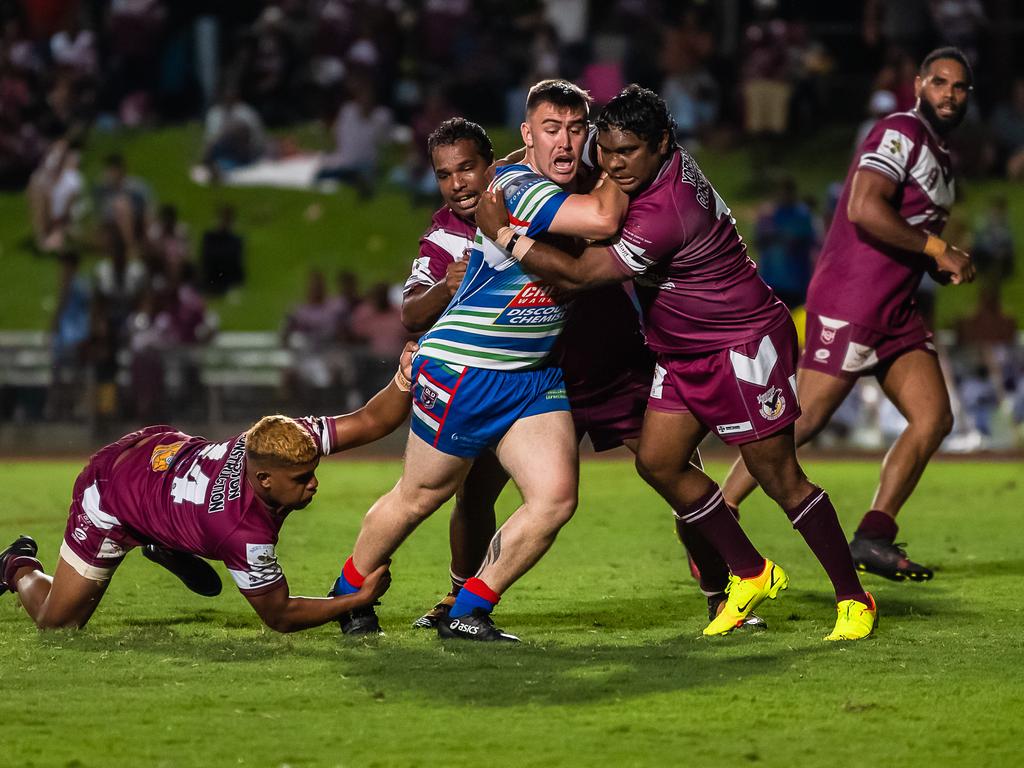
{"x":726,"y":353}
{"x":220,"y":500}
{"x":606,"y":366}
{"x":862,"y":315}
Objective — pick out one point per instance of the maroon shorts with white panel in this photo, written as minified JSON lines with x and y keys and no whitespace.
{"x":848,"y":351}
{"x":742,"y":394}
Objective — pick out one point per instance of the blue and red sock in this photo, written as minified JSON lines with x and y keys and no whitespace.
{"x":474,"y":594}
{"x":350,"y":581}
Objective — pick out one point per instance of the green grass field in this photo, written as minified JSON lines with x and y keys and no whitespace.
{"x":289,"y":232}
{"x":612,"y":672}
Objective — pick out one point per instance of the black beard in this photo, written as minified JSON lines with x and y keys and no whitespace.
{"x":941,"y":126}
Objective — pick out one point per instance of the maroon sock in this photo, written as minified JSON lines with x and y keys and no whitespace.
{"x":15,"y":564}
{"x":878,"y":525}
{"x":714,"y":573}
{"x":816,"y":520}
{"x":711,"y":517}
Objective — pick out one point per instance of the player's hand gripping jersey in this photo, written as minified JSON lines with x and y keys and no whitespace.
{"x":857,"y":278}
{"x":185,"y":493}
{"x":501,"y":318}
{"x":449,"y":239}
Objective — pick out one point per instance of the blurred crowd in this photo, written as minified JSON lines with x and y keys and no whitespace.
{"x":378,"y":76}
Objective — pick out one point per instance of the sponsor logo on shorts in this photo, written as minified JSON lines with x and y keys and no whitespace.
{"x":162,"y":457}
{"x":822,"y":354}
{"x":728,"y":429}
{"x":428,"y":398}
{"x":533,"y":305}
{"x":772,"y":403}
{"x":80,"y":534}
{"x":555,"y":394}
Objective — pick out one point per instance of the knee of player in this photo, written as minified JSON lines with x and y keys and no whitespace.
{"x":651,"y":468}
{"x":943,"y":424}
{"x":45,"y":622}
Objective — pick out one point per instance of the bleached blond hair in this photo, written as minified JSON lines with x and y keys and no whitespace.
{"x":280,"y":440}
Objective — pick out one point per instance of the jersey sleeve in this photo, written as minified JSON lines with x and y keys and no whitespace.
{"x":889,"y":147}
{"x":321,"y":429}
{"x":649,"y":237}
{"x":533,"y":201}
{"x":432,"y":263}
{"x":251,"y":560}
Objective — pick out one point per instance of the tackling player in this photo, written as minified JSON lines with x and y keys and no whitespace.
{"x":607,"y":367}
{"x":219,"y":500}
{"x":726,"y":353}
{"x":484,"y":377}
{"x":861,"y":315}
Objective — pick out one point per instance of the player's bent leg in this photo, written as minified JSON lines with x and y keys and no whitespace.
{"x":65,"y":600}
{"x":820,"y":395}
{"x":428,"y":480}
{"x":916,"y":386}
{"x":541,"y":455}
{"x":470,"y":530}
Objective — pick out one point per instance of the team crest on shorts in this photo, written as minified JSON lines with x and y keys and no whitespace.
{"x":428,"y":398}
{"x":772,"y":403}
{"x":163,"y":456}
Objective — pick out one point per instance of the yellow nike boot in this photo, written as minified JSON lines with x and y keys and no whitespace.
{"x":745,"y":595}
{"x":856,"y":620}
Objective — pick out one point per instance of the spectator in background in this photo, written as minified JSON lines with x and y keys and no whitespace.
{"x":993,"y":250}
{"x":603,"y":77}
{"x":880,"y":104}
{"x":360,"y":128}
{"x":345,"y":301}
{"x":267,"y":66}
{"x":1007,"y":124}
{"x":764,"y":72}
{"x":959,"y":23}
{"x":222,"y":255}
{"x":785,"y":237}
{"x":167,"y":246}
{"x":377,"y":324}
{"x":688,"y":88}
{"x":70,"y":335}
{"x":123,"y":201}
{"x":311,"y":334}
{"x":53,"y":194}
{"x":133,"y":44}
{"x":233,"y":135}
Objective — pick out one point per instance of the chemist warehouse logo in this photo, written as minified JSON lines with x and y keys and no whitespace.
{"x":533,"y":305}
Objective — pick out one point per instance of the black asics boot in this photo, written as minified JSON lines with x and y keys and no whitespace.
{"x":477,"y":625}
{"x":884,"y":558}
{"x":194,"y":572}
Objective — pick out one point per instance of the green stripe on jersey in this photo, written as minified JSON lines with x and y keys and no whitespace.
{"x":480,"y":355}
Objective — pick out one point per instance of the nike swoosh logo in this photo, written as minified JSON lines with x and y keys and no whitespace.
{"x":744,"y":606}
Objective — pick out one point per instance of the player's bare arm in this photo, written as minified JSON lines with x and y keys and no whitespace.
{"x":423,"y":305}
{"x":383,"y":414}
{"x":872,"y":209}
{"x":597,"y":215}
{"x":594,"y":267}
{"x":284,"y":613}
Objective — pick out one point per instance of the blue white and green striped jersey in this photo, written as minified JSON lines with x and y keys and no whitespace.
{"x":501,"y":317}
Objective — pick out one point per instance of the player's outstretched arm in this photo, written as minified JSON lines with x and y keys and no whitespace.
{"x":597,"y":215}
{"x":596,"y":266}
{"x":284,"y":613}
{"x":872,"y":209}
{"x":386,"y":411}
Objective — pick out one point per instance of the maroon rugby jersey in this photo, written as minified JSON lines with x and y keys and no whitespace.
{"x":191,"y":494}
{"x":449,"y":238}
{"x":859,"y":279}
{"x":698,"y":290}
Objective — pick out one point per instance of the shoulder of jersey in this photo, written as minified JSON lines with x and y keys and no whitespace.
{"x":907,"y":123}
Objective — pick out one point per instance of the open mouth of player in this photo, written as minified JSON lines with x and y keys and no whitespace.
{"x":466,"y":202}
{"x":946,"y":110}
{"x":564,"y":164}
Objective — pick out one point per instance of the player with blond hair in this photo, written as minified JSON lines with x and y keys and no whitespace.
{"x":220,"y":500}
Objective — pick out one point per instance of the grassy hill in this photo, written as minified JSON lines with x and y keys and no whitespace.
{"x":289,"y":232}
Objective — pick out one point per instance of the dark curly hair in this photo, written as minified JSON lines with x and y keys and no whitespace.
{"x":458,"y":129}
{"x":640,"y":111}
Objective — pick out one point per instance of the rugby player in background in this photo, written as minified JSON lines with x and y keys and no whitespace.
{"x":862,"y":318}
{"x":607,"y":367}
{"x":223,"y":500}
{"x":726,"y":349}
{"x":485,"y":378}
